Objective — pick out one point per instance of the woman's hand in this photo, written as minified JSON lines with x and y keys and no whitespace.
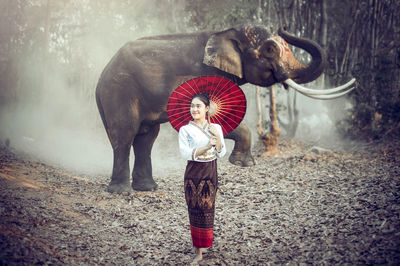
{"x":215,"y":139}
{"x":212,"y":142}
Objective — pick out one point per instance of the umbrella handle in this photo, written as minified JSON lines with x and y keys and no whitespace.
{"x":209,"y":123}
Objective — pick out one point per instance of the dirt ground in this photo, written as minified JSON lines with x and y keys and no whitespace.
{"x":306,"y":205}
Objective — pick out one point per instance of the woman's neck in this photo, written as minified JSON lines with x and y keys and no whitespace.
{"x":200,"y":122}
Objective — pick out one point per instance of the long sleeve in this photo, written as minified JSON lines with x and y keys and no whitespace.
{"x":223,"y":149}
{"x":191,"y":138}
{"x":184,"y":146}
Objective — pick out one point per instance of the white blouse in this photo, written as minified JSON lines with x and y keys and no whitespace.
{"x":193,"y":137}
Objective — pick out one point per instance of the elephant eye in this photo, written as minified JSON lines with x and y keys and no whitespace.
{"x":269,"y":51}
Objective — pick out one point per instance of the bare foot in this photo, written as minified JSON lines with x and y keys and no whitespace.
{"x":204,"y":250}
{"x":196,"y":260}
{"x":199,"y":256}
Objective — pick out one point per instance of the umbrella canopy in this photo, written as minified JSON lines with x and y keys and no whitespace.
{"x":227,"y":102}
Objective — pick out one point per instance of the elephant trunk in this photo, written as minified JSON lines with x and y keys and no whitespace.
{"x":315,"y":68}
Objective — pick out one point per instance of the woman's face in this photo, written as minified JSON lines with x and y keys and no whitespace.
{"x":198,"y":109}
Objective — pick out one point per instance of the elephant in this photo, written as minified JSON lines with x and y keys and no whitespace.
{"x":133,"y":89}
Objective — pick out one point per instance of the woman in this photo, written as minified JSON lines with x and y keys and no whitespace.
{"x":201,"y":143}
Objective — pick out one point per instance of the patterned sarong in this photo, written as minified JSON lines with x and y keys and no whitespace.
{"x":201,"y":184}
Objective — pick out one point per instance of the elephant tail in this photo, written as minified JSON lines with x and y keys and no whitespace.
{"x":103,"y":117}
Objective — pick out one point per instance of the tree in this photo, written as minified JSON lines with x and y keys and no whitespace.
{"x":292,"y":123}
{"x":364,"y":42}
{"x":269,"y":138}
{"x":10,"y":36}
{"x":75,"y":38}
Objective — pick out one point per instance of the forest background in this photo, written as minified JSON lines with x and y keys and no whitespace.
{"x":304,"y":206}
{"x":52,"y":53}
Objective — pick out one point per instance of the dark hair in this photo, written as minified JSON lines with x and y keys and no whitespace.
{"x":204,"y":97}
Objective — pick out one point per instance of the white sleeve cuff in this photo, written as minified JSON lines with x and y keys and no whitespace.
{"x":194,"y":154}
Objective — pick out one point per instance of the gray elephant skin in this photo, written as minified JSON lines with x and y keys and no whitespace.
{"x":133,"y":89}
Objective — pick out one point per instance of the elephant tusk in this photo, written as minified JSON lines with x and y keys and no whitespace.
{"x":308,"y":92}
{"x":328,"y":96}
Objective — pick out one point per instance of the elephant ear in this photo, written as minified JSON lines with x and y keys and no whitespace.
{"x":223,"y":52}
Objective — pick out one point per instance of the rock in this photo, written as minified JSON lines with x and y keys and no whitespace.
{"x":319,"y":150}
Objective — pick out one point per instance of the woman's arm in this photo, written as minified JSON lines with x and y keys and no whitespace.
{"x":186,"y":151}
{"x":216,"y":131}
{"x":218,"y":144}
{"x":204,"y":149}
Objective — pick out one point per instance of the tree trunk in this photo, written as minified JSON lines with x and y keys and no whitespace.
{"x":348,"y":42}
{"x":271,"y":139}
{"x":323,"y":38}
{"x":45,"y":79}
{"x":293,"y":116}
{"x":260,"y":129}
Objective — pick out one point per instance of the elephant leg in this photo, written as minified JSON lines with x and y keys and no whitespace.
{"x":142,"y":175}
{"x":241,"y":154}
{"x":121,"y":142}
{"x":121,"y":133}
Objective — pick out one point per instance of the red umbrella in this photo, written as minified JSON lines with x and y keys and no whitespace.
{"x":227,"y":102}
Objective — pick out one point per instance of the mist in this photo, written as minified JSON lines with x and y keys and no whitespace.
{"x":318,"y":119}
{"x":50,"y":119}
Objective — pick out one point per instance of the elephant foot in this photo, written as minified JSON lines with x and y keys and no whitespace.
{"x":119,"y":188}
{"x":147,"y":184}
{"x":242,"y":159}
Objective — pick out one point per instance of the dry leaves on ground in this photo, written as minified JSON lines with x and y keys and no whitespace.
{"x":305,"y":205}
